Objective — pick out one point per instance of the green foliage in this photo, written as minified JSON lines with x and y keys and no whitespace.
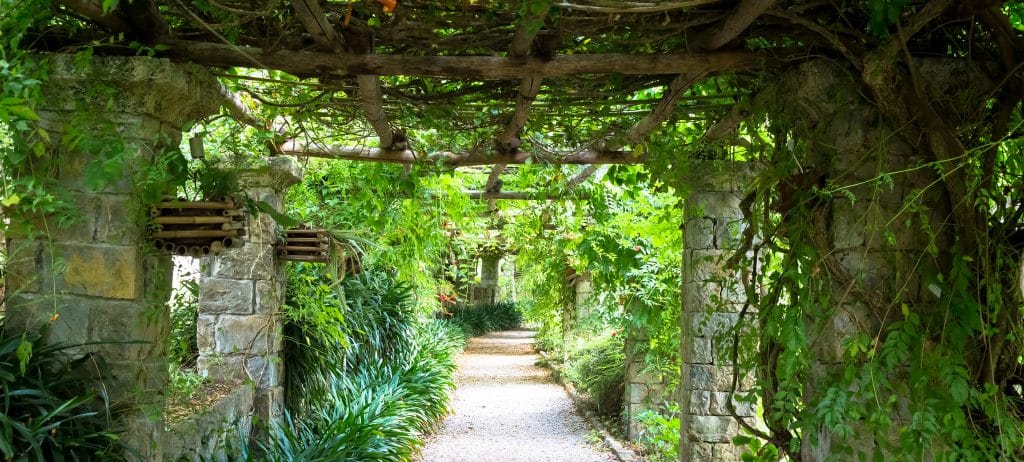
{"x":334,"y":328}
{"x":482,"y":318}
{"x":365,"y":378}
{"x":183,"y":349}
{"x":598,"y":368}
{"x":45,"y":412}
{"x":660,"y":434}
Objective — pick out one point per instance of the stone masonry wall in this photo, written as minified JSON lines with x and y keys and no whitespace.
{"x":873,"y":239}
{"x":712,"y":301}
{"x":487,"y":290}
{"x":98,"y":281}
{"x":241,"y":295}
{"x":203,"y":436}
{"x":644,"y":390}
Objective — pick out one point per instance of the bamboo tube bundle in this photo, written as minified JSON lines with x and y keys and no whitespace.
{"x":197,"y":228}
{"x":305,"y":244}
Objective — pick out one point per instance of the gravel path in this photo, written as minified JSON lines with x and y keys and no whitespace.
{"x":508,"y":409}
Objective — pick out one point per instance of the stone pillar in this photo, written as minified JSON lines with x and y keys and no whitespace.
{"x":712,"y":300}
{"x":487,"y":290}
{"x":643,"y":390}
{"x":98,"y":281}
{"x":873,"y":240}
{"x":241,"y":295}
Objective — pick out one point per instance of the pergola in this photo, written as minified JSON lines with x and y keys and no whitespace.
{"x":628,"y":67}
{"x":597,"y":82}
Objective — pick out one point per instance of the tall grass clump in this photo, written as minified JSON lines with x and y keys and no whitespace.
{"x":486,"y":317}
{"x":365,"y":378}
{"x":46,"y":414}
{"x":597,"y":368}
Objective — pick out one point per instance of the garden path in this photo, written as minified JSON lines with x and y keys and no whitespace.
{"x":508,"y":409}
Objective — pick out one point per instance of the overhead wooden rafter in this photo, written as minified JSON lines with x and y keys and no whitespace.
{"x":509,"y":140}
{"x":312,"y":63}
{"x":451,"y":159}
{"x":323,"y":33}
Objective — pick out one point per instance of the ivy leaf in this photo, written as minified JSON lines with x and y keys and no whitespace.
{"x":24,"y":354}
{"x":24,"y":112}
{"x":281,"y":219}
{"x":13,"y":199}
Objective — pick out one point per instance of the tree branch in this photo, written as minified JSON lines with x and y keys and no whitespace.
{"x":453,"y":159}
{"x":478,"y":67}
{"x":734,"y":24}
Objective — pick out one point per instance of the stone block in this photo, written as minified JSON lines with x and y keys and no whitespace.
{"x":146,"y":86}
{"x":125,"y":330}
{"x":115,"y":220}
{"x":697,"y":451}
{"x":699,"y":233}
{"x":24,"y":266}
{"x":65,"y":321}
{"x":697,"y":350}
{"x":710,"y":324}
{"x":225,"y":296}
{"x":266,"y":371}
{"x":269,"y":296}
{"x":206,"y":332}
{"x":255,"y":334}
{"x":269,"y":404}
{"x":80,"y":229}
{"x":637,"y":393}
{"x":107,"y":271}
{"x":729,"y":233}
{"x":712,"y":429}
{"x":702,"y":265}
{"x":251,"y":261}
{"x":700,"y":402}
{"x":726,"y":452}
{"x":714,"y":204}
{"x":221,"y":367}
{"x":710,"y":377}
{"x":720,"y":405}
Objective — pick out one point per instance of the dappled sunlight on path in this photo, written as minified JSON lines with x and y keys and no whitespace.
{"x":508,"y":409}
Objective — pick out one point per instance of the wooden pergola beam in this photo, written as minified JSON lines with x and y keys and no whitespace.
{"x":406,"y":156}
{"x":370,"y":98}
{"x":516,"y":196}
{"x":469,"y":67}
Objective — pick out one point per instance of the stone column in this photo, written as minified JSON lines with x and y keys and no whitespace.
{"x":487,"y":290}
{"x":98,"y":281}
{"x":874,"y":241}
{"x":643,"y":390}
{"x":241,"y":295}
{"x":712,"y":300}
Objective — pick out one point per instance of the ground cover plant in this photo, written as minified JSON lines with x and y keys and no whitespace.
{"x":597,"y":368}
{"x":485,"y":317}
{"x":47,"y":411}
{"x":367,"y":378}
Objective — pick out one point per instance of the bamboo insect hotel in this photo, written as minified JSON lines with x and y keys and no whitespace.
{"x":197,"y":228}
{"x":306,"y":245}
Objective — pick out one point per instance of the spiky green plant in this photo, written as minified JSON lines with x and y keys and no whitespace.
{"x":482,"y":318}
{"x":46,"y":414}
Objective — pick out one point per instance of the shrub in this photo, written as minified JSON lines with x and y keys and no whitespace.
{"x":482,"y":318}
{"x":45,"y":414}
{"x":659,"y":434}
{"x":597,"y":368}
{"x":379,"y":412}
{"x":364,"y":378}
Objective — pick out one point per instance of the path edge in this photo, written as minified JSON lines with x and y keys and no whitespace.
{"x":622,"y":453}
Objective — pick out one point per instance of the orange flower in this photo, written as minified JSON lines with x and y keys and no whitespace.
{"x":389,"y":5}
{"x":55,"y":317}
